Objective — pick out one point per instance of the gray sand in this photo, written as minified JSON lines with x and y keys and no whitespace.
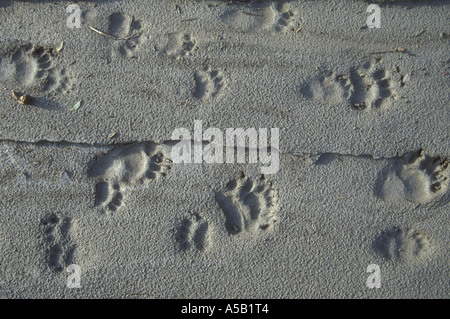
{"x":363,"y":118}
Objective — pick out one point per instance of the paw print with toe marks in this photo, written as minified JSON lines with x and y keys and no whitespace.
{"x":180,"y":44}
{"x":366,"y":87}
{"x":193,"y":231}
{"x":124,"y":168}
{"x":208,"y":83}
{"x":249,"y":205}
{"x":34,"y":67}
{"x":128,"y":31}
{"x":404,"y":245}
{"x":59,"y":246}
{"x":416,"y":177}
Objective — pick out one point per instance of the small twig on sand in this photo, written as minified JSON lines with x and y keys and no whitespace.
{"x":111,"y":36}
{"x":380,"y":52}
{"x":186,"y":20}
{"x":252,"y":14}
{"x":419,"y":33}
{"x":21,"y":99}
{"x":398,"y":50}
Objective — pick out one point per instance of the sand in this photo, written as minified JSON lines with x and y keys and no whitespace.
{"x":89,"y":176}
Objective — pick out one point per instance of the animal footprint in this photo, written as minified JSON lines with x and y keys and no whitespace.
{"x":128,"y":31}
{"x":208,"y":83}
{"x":261,"y":16}
{"x":193,"y":232}
{"x":54,"y":79}
{"x":416,"y":177}
{"x":283,"y":17}
{"x":33,"y":67}
{"x":368,"y":87}
{"x":124,"y":167}
{"x":402,"y":245}
{"x":249,"y":205}
{"x":59,"y":247}
{"x":180,"y":44}
{"x":130,"y":46}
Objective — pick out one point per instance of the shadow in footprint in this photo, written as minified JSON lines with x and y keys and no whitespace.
{"x":182,"y":234}
{"x":200,"y":238}
{"x":101,"y":193}
{"x":233,"y":217}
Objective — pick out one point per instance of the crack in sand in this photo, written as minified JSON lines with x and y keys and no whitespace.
{"x":322,"y":157}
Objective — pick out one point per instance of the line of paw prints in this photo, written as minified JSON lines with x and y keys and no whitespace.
{"x":251,"y":205}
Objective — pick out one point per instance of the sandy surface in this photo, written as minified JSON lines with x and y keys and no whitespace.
{"x":363,"y":118}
